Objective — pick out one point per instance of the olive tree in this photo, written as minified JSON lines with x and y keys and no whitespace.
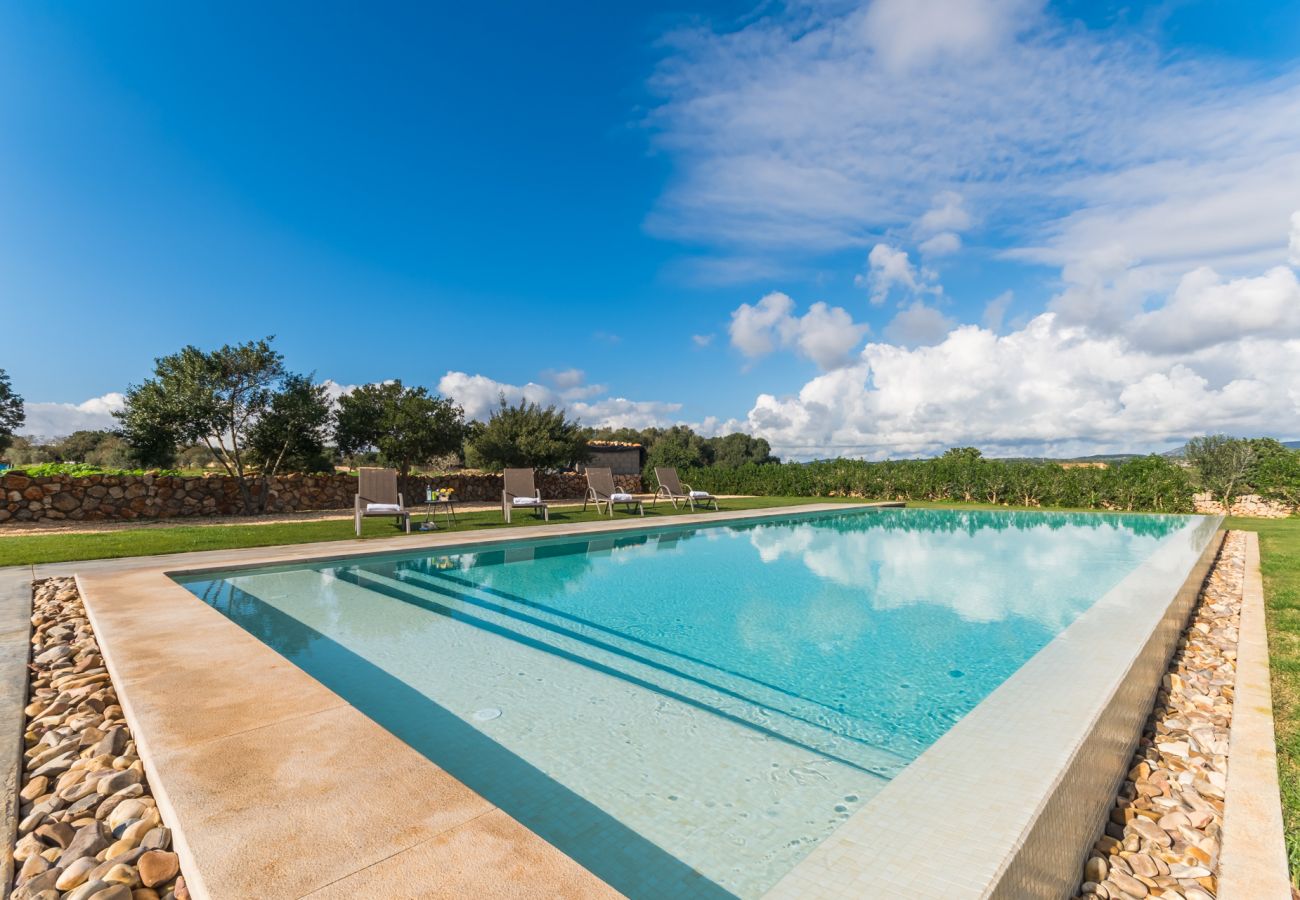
{"x":217,"y":398}
{"x":12,"y":414}
{"x":1221,"y":464}
{"x":408,"y":426}
{"x":290,"y":434}
{"x":526,"y":435}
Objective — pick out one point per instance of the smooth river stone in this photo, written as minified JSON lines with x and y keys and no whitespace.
{"x":158,"y":867}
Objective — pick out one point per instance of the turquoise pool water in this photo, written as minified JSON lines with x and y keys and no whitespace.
{"x":690,"y":710}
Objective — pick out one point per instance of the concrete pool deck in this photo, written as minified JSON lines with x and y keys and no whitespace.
{"x":275,"y":786}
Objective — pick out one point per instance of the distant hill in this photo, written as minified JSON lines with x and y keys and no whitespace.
{"x":1111,"y":459}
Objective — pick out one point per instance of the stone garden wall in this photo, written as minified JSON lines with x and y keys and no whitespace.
{"x":100,"y":497}
{"x":1251,"y":505}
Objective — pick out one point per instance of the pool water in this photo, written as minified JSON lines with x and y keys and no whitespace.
{"x":690,"y":710}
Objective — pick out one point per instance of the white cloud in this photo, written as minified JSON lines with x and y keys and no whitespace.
{"x":53,"y":420}
{"x":908,"y":33}
{"x":945,"y":243}
{"x":1216,"y":355}
{"x":825,"y":334}
{"x":818,"y":127}
{"x":1205,"y":311}
{"x":565,"y":379}
{"x":479,"y":395}
{"x":756,"y":330}
{"x":889,"y":267}
{"x":1293,"y":254}
{"x":948,"y":214}
{"x":918,"y":324}
{"x":702,"y":340}
{"x":1046,"y":388}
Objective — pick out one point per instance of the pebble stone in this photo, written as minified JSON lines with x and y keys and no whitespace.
{"x":1165,"y":828}
{"x":88,"y":827}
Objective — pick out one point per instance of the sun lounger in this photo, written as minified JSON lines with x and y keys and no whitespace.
{"x":520,"y":493}
{"x":671,"y":488}
{"x":601,"y":490}
{"x":377,"y":495}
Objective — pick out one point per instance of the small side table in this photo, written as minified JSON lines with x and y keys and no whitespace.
{"x":431,"y":505}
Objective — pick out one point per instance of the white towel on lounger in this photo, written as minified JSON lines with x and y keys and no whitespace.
{"x":700,"y":495}
{"x":621,"y":498}
{"x":526,"y":501}
{"x":383,"y":508}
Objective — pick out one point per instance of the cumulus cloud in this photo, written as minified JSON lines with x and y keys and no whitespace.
{"x":1206,"y":310}
{"x":1215,"y":355}
{"x":54,"y":420}
{"x":817,"y":127}
{"x":890,"y":267}
{"x":479,"y":395}
{"x":918,"y":324}
{"x":824,"y":334}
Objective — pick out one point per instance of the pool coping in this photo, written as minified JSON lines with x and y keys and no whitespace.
{"x":1253,"y":861}
{"x":954,"y":826}
{"x":15,"y":651}
{"x":273,"y":785}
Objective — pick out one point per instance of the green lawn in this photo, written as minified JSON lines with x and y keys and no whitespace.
{"x":45,"y":548}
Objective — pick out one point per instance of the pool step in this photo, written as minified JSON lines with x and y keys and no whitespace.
{"x":720,"y":692}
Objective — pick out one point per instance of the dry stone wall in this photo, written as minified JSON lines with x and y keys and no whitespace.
{"x":108,"y":497}
{"x":1251,"y":505}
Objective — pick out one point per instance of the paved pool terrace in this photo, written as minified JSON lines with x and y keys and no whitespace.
{"x":277,"y":787}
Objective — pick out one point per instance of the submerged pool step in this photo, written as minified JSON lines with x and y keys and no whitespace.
{"x":708,"y":687}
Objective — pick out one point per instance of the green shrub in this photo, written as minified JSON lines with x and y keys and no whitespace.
{"x":1150,"y":483}
{"x":81,"y":470}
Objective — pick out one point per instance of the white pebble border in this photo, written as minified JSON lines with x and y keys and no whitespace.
{"x":1165,"y":829}
{"x":88,"y":829}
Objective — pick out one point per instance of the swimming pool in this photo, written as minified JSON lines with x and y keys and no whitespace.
{"x":691,"y":710}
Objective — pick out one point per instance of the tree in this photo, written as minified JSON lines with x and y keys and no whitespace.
{"x":1221,"y":463}
{"x":407,"y":426}
{"x":680,"y":448}
{"x":99,"y":447}
{"x":211,"y":397}
{"x":736,"y":449}
{"x":12,"y":414}
{"x":147,"y":423}
{"x":290,"y":435}
{"x":527,"y":435}
{"x":1277,"y":476}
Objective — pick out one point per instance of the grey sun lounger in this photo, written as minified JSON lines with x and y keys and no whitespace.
{"x":377,"y":495}
{"x":519,"y":493}
{"x":601,"y":490}
{"x":671,"y":488}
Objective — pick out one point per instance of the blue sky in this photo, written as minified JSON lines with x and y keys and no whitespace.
{"x":635,"y":213}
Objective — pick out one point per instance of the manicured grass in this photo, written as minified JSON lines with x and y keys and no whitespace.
{"x":47,"y":548}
